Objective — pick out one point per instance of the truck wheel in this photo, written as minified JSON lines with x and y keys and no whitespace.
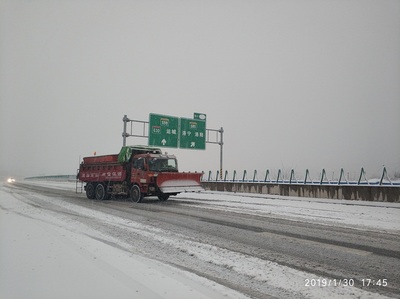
{"x":100,"y":192}
{"x":90,"y":191}
{"x":135,"y":194}
{"x":163,"y":196}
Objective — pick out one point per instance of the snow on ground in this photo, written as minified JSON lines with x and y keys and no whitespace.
{"x":344,"y":213}
{"x":43,"y":256}
{"x":89,"y":267}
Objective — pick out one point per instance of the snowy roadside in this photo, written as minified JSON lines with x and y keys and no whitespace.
{"x":375,"y":216}
{"x":45,"y":256}
{"x":265,"y":272}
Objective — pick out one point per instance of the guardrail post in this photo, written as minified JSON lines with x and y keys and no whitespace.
{"x":216,"y":177}
{"x":342,"y":175}
{"x":307,"y":175}
{"x":279,"y":174}
{"x":209,"y":176}
{"x":384,"y":172}
{"x":254,"y":176}
{"x":244,"y":175}
{"x":361,"y":174}
{"x":226,"y":175}
{"x":267,"y":176}
{"x":291,"y":176}
{"x":322,"y":176}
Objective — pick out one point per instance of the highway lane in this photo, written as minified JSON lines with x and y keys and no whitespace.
{"x":178,"y":231}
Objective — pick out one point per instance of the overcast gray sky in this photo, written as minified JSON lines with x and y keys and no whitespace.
{"x":294,"y":84}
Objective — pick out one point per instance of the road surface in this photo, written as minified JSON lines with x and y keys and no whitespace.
{"x":260,"y":247}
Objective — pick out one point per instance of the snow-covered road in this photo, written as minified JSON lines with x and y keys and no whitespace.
{"x":46,"y":256}
{"x":66,"y":246}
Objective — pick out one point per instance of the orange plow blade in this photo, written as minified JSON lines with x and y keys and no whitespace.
{"x":176,"y":182}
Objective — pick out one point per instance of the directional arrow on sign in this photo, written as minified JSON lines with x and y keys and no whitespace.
{"x":163,"y":130}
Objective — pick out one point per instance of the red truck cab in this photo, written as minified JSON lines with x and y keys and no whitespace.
{"x":144,"y":173}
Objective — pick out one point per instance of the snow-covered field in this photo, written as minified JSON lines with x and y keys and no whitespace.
{"x":42,"y":256}
{"x":45,"y":256}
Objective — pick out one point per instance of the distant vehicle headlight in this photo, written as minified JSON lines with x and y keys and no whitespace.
{"x":11,"y":180}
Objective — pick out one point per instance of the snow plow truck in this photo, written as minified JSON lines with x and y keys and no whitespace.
{"x":136,"y":172}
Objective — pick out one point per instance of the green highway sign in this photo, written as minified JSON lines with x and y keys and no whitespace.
{"x":171,"y":131}
{"x":163,"y":130}
{"x":201,"y":116}
{"x":192,"y":133}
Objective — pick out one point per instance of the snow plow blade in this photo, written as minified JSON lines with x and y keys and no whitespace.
{"x":173,"y":182}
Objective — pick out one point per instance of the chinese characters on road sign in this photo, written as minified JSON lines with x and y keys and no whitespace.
{"x":163,"y":130}
{"x":193,"y":134}
{"x":170,"y":131}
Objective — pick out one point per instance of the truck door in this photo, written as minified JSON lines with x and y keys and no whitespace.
{"x":139,"y":172}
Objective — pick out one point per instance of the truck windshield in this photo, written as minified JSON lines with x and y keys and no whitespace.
{"x":163,"y":164}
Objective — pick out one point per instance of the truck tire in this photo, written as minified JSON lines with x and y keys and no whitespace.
{"x":163,"y":196}
{"x":90,"y":194}
{"x":135,"y":194}
{"x":100,"y":192}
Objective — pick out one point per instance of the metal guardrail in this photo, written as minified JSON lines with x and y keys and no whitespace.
{"x":62,"y":177}
{"x":279,"y":178}
{"x":323,"y":180}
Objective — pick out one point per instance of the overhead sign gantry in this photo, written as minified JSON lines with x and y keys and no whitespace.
{"x":176,"y":132}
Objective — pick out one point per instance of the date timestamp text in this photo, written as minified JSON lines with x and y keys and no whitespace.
{"x":345,"y":282}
